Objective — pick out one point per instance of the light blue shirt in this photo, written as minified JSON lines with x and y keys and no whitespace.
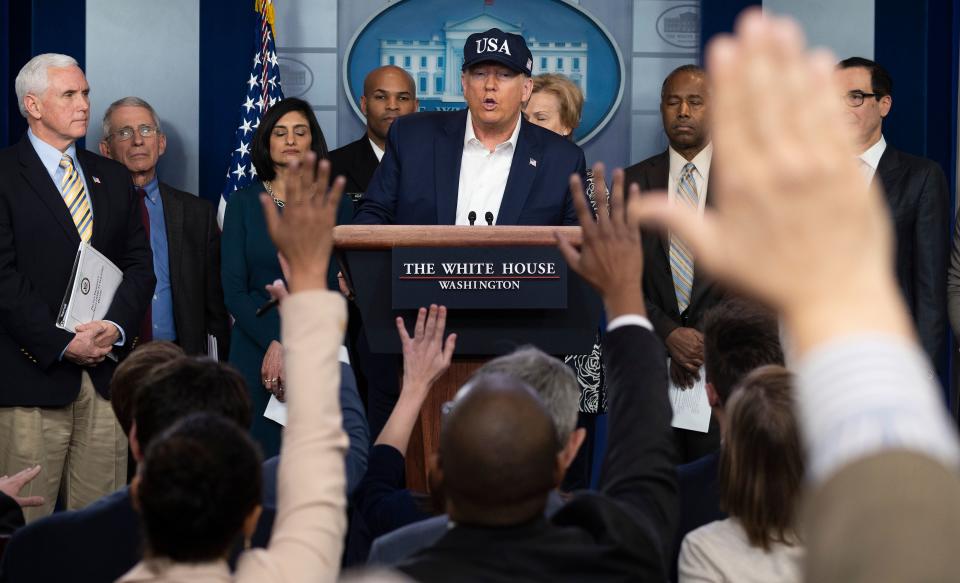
{"x":162,"y":302}
{"x":50,"y":158}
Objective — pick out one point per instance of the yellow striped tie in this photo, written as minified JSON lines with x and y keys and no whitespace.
{"x":75,"y":197}
{"x":681,"y":259}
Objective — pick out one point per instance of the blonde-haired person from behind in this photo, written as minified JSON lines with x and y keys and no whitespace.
{"x":761,"y":474}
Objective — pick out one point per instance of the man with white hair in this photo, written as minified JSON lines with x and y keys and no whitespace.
{"x":187,"y":306}
{"x":54,"y":400}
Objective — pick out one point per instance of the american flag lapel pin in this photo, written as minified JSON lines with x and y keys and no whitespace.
{"x":533,"y":162}
{"x":96,"y":180}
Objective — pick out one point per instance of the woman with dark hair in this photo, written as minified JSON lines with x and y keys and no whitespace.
{"x":287,"y":131}
{"x":761,"y":473}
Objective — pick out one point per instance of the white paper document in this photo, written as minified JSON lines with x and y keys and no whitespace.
{"x":213,"y":350}
{"x":691,"y":407}
{"x":277,"y":411}
{"x":93,"y":283}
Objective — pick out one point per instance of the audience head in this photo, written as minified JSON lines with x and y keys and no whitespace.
{"x":555,"y":384}
{"x":182,"y":387}
{"x":761,"y":464}
{"x":135,"y":371}
{"x":685,"y":108}
{"x":54,"y":97}
{"x":287,"y":131}
{"x":868,"y":92}
{"x":496,"y":78}
{"x":388,"y":93}
{"x":555,"y":104}
{"x":198,"y":488}
{"x":497,"y":459}
{"x":133,"y":137}
{"x":738,"y":336}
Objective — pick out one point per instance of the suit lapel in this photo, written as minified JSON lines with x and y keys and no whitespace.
{"x":39,"y":180}
{"x":447,"y":153}
{"x":97,"y":193}
{"x":365,"y":161}
{"x":523,"y":169}
{"x":173,"y":218}
{"x":888,"y":173}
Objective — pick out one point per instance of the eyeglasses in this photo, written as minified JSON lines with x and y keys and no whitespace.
{"x":125,"y":133}
{"x":855,"y":98}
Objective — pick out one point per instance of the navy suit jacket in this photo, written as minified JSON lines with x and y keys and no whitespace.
{"x":699,"y":483}
{"x":419,"y":177}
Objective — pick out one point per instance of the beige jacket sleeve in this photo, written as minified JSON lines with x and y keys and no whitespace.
{"x":311,"y":518}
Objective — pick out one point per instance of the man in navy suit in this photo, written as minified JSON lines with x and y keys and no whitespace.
{"x":484,"y":164}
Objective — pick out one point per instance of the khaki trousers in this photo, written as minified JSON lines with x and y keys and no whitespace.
{"x":81,"y":449}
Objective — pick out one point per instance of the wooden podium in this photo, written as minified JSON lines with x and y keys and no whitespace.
{"x":365,"y":257}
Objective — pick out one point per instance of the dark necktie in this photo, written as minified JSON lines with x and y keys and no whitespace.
{"x":146,"y":328}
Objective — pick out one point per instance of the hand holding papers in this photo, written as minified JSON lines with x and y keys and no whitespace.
{"x":93,"y":283}
{"x":691,"y":407}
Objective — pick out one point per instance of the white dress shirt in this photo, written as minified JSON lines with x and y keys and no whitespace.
{"x":871,"y":158}
{"x":376,"y":150}
{"x":483,"y":175}
{"x":701,"y":174}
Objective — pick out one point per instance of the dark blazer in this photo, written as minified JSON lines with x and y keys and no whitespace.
{"x":356,"y":162}
{"x":38,"y":245}
{"x":419,"y":177}
{"x":11,"y":516}
{"x":662,"y":309}
{"x":98,"y":543}
{"x":621,"y":533}
{"x":193,"y":239}
{"x":916,"y":192}
{"x":699,"y":483}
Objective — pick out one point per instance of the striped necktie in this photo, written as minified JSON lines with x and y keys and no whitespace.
{"x":681,"y":259}
{"x":75,"y":197}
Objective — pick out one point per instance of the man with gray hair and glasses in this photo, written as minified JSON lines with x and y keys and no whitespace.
{"x":187,"y":306}
{"x":54,"y":399}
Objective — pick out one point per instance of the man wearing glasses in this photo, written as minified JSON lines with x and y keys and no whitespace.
{"x":916,"y":191}
{"x":187,"y":304}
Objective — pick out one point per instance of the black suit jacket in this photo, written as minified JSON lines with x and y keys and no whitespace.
{"x":662,"y":309}
{"x":193,"y":249}
{"x":356,"y":162}
{"x":419,"y":177}
{"x":916,"y":192}
{"x":621,"y":533}
{"x":38,"y":244}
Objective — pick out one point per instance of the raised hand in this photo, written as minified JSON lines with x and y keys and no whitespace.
{"x":303,"y":233}
{"x":427,"y":355}
{"x":611,"y":257}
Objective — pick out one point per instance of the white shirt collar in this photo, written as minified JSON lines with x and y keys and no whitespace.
{"x":376,"y":150}
{"x":470,"y":137}
{"x":873,"y":154}
{"x":49,"y":156}
{"x":701,"y":161}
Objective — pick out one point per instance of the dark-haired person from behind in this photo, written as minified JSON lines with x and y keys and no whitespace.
{"x":197,"y":488}
{"x":249,"y":261}
{"x":159,"y":386}
{"x":761,"y":475}
{"x":739,"y":337}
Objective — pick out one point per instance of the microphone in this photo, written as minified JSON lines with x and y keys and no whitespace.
{"x":472,"y":217}
{"x":489,"y":217}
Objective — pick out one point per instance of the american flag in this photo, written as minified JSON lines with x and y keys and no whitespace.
{"x":263,"y":90}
